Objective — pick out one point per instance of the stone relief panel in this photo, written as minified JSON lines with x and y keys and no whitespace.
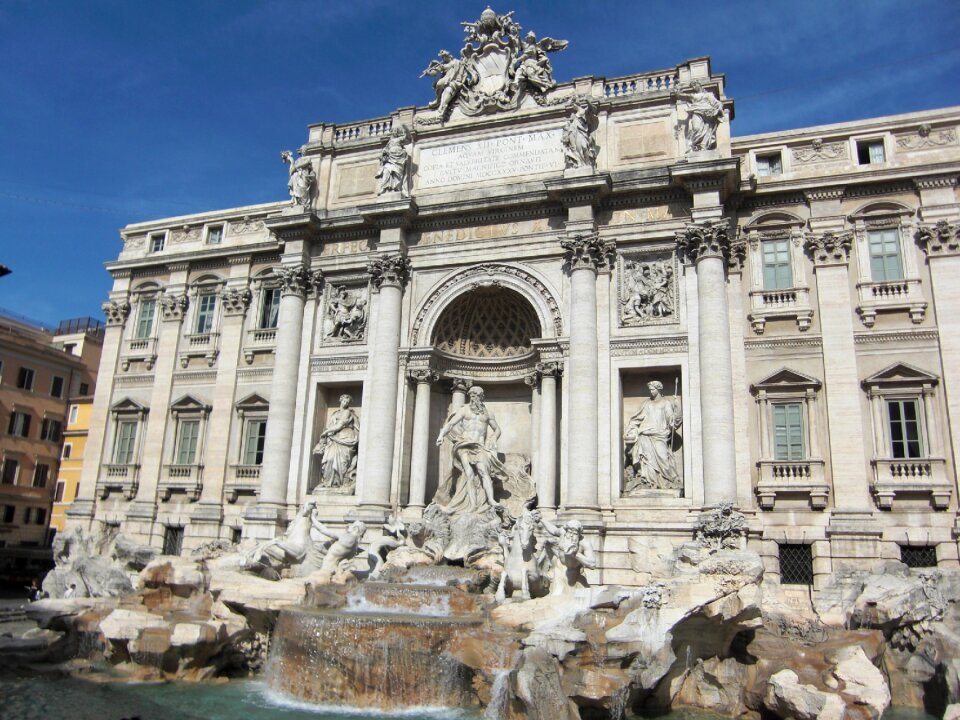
{"x":346,"y":310}
{"x":647,"y":288}
{"x":337,"y":432}
{"x":245,"y":226}
{"x":652,"y":432}
{"x":818,"y":151}
{"x":926,"y":138}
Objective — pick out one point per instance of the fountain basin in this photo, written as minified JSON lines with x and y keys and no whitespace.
{"x":370,"y":660}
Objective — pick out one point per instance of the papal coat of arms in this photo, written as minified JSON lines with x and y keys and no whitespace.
{"x":497,"y":67}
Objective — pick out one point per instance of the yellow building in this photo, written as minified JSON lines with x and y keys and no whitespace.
{"x":71,"y":459}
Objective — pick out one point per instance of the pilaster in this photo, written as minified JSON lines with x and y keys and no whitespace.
{"x":422,"y":380}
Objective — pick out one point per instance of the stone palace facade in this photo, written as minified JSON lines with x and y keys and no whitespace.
{"x":662,"y":318}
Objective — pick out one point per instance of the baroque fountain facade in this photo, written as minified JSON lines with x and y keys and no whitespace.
{"x":558,"y":359}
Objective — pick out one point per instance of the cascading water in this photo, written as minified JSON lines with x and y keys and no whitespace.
{"x":387,"y":649}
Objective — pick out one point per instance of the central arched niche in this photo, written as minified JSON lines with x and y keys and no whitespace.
{"x":487,"y":323}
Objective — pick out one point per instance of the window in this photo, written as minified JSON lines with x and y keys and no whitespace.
{"x":10,"y":469}
{"x":214,"y":234}
{"x":236,"y":535}
{"x":126,"y":442}
{"x":70,"y":348}
{"x":788,"y":431}
{"x":84,"y":388}
{"x":27,"y":514}
{"x":74,"y":410}
{"x":50,"y":430}
{"x":25,"y":379}
{"x":206,"y":308}
{"x":904,"y":423}
{"x":870,"y":152}
{"x":254,"y":442}
{"x":40,"y":475}
{"x":918,"y":556}
{"x":56,"y":386}
{"x":144,"y":328}
{"x":885,"y":255}
{"x":41,"y":516}
{"x":768,"y":165}
{"x":796,"y":565}
{"x":58,"y":494}
{"x":172,"y":540}
{"x":157,"y":242}
{"x":8,"y":513}
{"x":188,"y":433}
{"x":67,"y":451}
{"x":777,"y":274}
{"x":270,"y":310}
{"x":19,"y":424}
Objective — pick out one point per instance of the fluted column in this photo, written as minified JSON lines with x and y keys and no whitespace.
{"x":421,"y":436}
{"x":547,"y":453}
{"x":295,"y":279}
{"x":585,"y":255}
{"x":708,"y":245}
{"x":389,"y":274}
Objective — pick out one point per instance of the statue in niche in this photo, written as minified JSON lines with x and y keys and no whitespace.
{"x":394,"y":158}
{"x":705,"y":112}
{"x":338,"y":449}
{"x":649,"y":440}
{"x":301,"y":180}
{"x":579,"y":147}
{"x":650,"y":291}
{"x":473,"y":455}
{"x":348,"y":315}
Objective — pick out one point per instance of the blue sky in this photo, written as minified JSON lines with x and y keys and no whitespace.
{"x":122,"y":111}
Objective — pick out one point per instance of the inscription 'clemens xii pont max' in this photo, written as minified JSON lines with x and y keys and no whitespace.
{"x":479,"y":160}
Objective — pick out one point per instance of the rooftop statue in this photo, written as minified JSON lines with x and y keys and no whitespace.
{"x":704,"y":113}
{"x":394,"y":160}
{"x":301,"y":181}
{"x":497,"y":67}
{"x":579,"y":147}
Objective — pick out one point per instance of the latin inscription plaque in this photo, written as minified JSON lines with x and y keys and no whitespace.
{"x":490,"y":159}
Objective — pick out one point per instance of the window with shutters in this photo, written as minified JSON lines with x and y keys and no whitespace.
{"x":41,"y":473}
{"x":254,"y":441}
{"x":870,"y":152}
{"x":188,"y":434}
{"x":788,"y":431}
{"x":885,"y":261}
{"x":145,"y":319}
{"x":56,"y":387}
{"x":206,"y":311}
{"x":19,"y":424}
{"x":903,"y":419}
{"x":25,"y":378}
{"x":125,"y":444}
{"x":11,"y":468}
{"x":777,"y":273}
{"x":769,"y":164}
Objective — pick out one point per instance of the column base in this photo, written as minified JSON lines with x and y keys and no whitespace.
{"x":264,"y":522}
{"x":587,"y":514}
{"x":414,"y":512}
{"x":374,"y":514}
{"x":141,"y":511}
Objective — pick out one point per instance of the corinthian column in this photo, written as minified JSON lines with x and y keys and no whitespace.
{"x":295,"y":280}
{"x":421,"y":436}
{"x":389,"y":274}
{"x":584,"y":255}
{"x":707,"y":244}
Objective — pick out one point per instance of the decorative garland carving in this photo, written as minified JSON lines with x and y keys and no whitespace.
{"x":489,"y":269}
{"x":818,"y":151}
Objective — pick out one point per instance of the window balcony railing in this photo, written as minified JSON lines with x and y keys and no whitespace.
{"x":139,"y":349}
{"x":780,"y":479}
{"x":904,"y":477}
{"x":243,"y":479}
{"x":259,"y":340}
{"x":181,"y":478}
{"x":119,"y":477}
{"x":205,"y":345}
{"x":782,"y":304}
{"x":891,"y":295}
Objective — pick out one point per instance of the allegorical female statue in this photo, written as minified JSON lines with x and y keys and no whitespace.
{"x":705,"y":113}
{"x":579,"y":147}
{"x":338,"y":449}
{"x":648,"y":442}
{"x":393,"y":162}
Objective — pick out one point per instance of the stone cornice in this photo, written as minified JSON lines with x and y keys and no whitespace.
{"x":586,"y":189}
{"x":160,"y":264}
{"x":294,"y":226}
{"x":935,"y":181}
{"x":389,"y":213}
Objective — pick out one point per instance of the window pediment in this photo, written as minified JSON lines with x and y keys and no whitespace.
{"x":776,"y":220}
{"x":128,"y":406}
{"x":881,"y":211}
{"x":189,"y":404}
{"x":788,"y":380}
{"x":253,"y":403}
{"x":901,"y":375}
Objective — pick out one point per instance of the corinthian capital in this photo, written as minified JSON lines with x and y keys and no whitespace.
{"x":116,"y":311}
{"x":235,"y":301}
{"x":940,"y":239}
{"x":829,"y":248}
{"x":173,"y":306}
{"x":587,"y":251}
{"x":297,"y":279}
{"x":423,"y":376}
{"x":710,"y":239}
{"x":389,"y":271}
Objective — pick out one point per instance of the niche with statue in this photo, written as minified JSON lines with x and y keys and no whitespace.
{"x":652,"y":441}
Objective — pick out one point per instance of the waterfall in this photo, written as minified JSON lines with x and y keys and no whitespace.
{"x":499,"y":695}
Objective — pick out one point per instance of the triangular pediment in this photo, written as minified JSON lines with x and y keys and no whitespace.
{"x":128,"y":405}
{"x":253,"y":402}
{"x":787,"y":379}
{"x":188,"y":403}
{"x":901,"y":374}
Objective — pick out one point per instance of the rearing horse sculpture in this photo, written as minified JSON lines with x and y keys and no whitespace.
{"x":521,"y":560}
